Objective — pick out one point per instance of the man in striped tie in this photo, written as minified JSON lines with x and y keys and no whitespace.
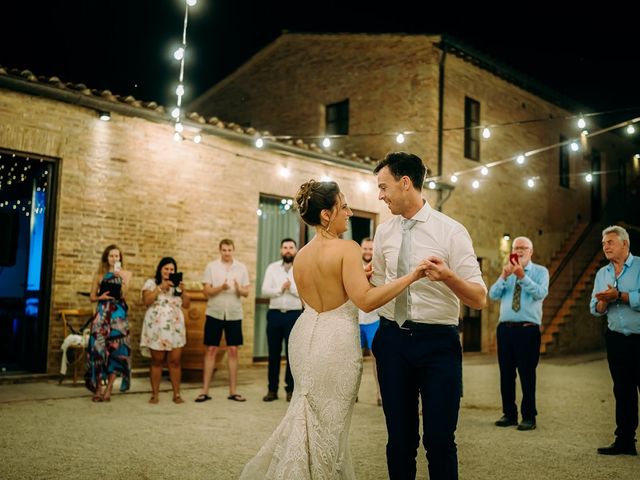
{"x":521,"y":289}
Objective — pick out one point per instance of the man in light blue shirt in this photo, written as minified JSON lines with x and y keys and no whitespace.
{"x":616,"y":294}
{"x":521,"y":288}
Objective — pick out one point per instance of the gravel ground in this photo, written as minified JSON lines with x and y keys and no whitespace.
{"x":55,"y":431}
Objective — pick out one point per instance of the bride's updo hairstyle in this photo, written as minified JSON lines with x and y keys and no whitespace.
{"x":313,"y":197}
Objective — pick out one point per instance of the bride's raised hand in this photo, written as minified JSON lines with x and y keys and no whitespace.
{"x":420,"y":270}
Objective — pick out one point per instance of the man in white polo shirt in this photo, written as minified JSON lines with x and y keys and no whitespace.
{"x":225,"y":281}
{"x":284,"y":309}
{"x":417,"y":347}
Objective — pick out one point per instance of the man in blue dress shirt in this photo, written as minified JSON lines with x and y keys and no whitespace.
{"x":521,"y":288}
{"x":616,"y":294}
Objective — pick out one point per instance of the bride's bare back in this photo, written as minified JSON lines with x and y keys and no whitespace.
{"x":317,"y":270}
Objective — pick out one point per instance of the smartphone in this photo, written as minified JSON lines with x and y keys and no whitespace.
{"x":514,"y":259}
{"x":175,"y":278}
{"x":117,"y":267}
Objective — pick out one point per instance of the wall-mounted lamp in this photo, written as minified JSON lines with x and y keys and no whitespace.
{"x":104,"y":116}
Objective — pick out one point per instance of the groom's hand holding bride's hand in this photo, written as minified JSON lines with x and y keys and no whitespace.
{"x":368,"y":270}
{"x":436,"y":269}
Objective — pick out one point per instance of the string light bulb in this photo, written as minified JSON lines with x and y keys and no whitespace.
{"x":454,"y":178}
{"x":197,"y":138}
{"x":475,"y":184}
{"x":484,"y":171}
{"x":531,"y":183}
{"x":400,"y":138}
{"x":589,"y":178}
{"x":631,"y":129}
{"x":486,"y":133}
{"x":520,"y":159}
{"x":326,"y":142}
{"x":432,"y":185}
{"x":574,"y":146}
{"x":192,"y":3}
{"x":581,"y":123}
{"x":179,"y":54}
{"x":259,"y":143}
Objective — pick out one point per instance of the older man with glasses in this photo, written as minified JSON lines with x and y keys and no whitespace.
{"x":521,"y":289}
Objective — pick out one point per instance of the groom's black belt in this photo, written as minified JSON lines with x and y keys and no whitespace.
{"x":411,"y":325}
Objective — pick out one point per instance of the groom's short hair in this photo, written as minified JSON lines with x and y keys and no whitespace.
{"x":402,"y":164}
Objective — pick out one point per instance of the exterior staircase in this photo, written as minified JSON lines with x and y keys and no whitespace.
{"x":572,"y":271}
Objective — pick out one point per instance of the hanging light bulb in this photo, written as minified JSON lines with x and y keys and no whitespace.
{"x":475,"y":184}
{"x":180,"y":90}
{"x":192,"y":3}
{"x":432,"y":185}
{"x":520,"y":159}
{"x":259,"y":143}
{"x":175,"y":113}
{"x":631,"y":129}
{"x":484,"y":171}
{"x":179,"y":54}
{"x":197,"y":138}
{"x":177,"y":137}
{"x":400,"y":138}
{"x":531,"y":183}
{"x":454,"y":178}
{"x":589,"y":178}
{"x":574,"y":146}
{"x":486,"y":133}
{"x":326,"y":142}
{"x":179,"y":127}
{"x":581,"y":123}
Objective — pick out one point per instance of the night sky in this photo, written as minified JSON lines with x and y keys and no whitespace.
{"x":126,"y":46}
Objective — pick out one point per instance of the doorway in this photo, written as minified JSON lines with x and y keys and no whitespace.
{"x":27,"y":188}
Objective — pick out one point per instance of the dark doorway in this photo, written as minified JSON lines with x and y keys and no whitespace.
{"x":26,"y":222}
{"x":596,"y":185}
{"x":472,"y":327}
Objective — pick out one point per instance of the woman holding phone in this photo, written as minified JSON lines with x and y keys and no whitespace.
{"x":109,"y":353}
{"x":163,"y":330}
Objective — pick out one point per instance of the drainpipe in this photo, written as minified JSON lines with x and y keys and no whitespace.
{"x":441,"y":114}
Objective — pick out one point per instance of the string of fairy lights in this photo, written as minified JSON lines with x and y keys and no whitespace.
{"x":327,"y":141}
{"x":13,"y":178}
{"x":179,"y":55}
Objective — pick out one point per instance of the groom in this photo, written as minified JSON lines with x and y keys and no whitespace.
{"x":417,"y":347}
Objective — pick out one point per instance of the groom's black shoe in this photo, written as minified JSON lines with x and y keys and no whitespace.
{"x":270,"y":397}
{"x":527,"y":424}
{"x":289,"y":395}
{"x":618,"y":449}
{"x":506,"y":421}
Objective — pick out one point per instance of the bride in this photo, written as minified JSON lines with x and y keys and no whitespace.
{"x":311,"y":441}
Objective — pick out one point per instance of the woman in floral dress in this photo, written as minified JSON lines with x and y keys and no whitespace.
{"x":163,"y":331}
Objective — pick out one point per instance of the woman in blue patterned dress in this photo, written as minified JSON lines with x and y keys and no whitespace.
{"x":109,"y":352}
{"x":163,"y":331}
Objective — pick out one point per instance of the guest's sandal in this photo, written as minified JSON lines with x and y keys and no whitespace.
{"x":236,"y":398}
{"x":203,"y":397}
{"x":178,"y":399}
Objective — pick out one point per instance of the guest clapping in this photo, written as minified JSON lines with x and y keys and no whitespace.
{"x":163,"y":331}
{"x":109,"y":352}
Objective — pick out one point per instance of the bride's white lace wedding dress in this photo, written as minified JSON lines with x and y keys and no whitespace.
{"x":312,"y":440}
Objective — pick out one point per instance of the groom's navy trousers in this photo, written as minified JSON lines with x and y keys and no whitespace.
{"x":425,"y":360}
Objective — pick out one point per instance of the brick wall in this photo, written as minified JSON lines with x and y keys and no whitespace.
{"x":127,"y":182}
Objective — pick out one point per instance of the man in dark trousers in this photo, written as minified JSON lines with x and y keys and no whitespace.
{"x":616,"y":294}
{"x":521,"y":289}
{"x":417,"y":346}
{"x":284,"y":309}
